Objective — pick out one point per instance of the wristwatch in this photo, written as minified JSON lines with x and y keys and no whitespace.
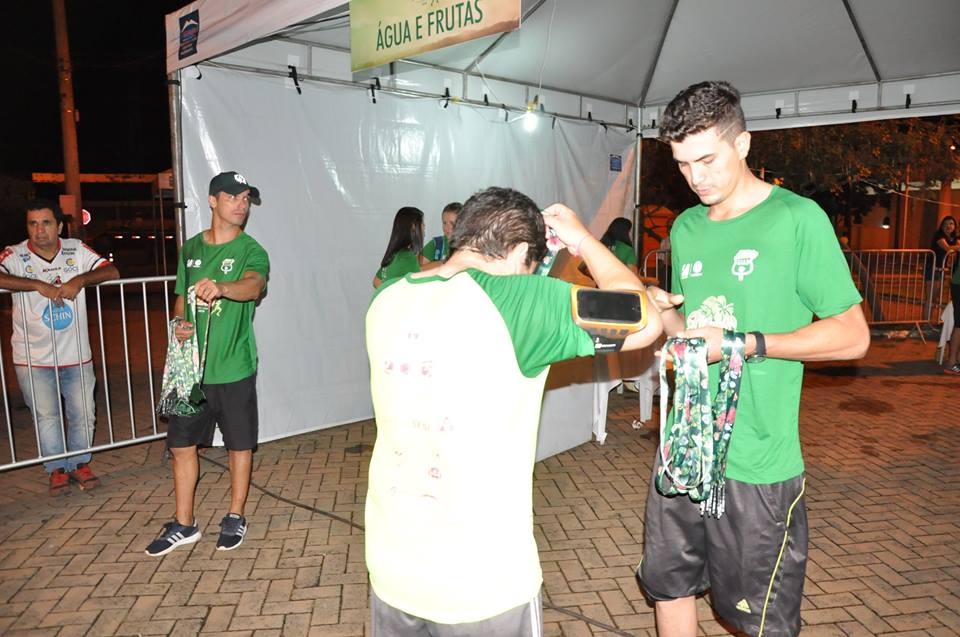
{"x":760,"y":353}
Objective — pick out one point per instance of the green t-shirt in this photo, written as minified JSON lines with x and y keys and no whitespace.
{"x":457,"y":369}
{"x":232,"y":352}
{"x":403,"y":263}
{"x":624,"y":252}
{"x":430,"y":249}
{"x":768,"y":270}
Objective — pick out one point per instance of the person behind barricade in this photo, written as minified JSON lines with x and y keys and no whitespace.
{"x":456,"y":393}
{"x":945,"y":240}
{"x":221,"y":275}
{"x":752,"y":265}
{"x":438,"y":248}
{"x":618,"y":240}
{"x":50,"y":342}
{"x":403,"y":254}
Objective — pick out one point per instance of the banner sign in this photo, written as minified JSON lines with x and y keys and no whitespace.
{"x":382,"y":31}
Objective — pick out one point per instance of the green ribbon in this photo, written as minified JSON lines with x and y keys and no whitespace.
{"x":693,"y":453}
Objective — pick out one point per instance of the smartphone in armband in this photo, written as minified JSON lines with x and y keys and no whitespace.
{"x":608,"y":315}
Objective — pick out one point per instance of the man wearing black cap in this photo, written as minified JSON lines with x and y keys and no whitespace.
{"x":221,"y":274}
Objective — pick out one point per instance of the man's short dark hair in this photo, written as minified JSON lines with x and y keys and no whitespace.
{"x":40,"y":204}
{"x":495,"y":220}
{"x":700,"y":107}
{"x":453,"y":206}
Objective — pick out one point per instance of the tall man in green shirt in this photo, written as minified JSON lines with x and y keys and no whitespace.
{"x":761,"y":260}
{"x":221,"y":274}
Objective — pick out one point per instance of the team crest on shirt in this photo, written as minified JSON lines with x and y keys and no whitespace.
{"x":743,"y":263}
{"x":226,"y":266}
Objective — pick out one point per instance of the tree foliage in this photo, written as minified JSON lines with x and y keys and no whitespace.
{"x":846,"y":168}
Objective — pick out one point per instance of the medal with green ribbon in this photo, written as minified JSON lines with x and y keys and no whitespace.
{"x":693,"y":453}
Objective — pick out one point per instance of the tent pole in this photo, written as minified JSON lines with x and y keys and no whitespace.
{"x":176,"y":155}
{"x":638,"y":220}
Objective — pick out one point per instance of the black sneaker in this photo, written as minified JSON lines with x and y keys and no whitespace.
{"x":173,"y":535}
{"x":953,"y":369}
{"x":232,"y":529}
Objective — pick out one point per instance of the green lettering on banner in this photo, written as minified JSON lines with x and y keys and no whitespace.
{"x":382,"y":31}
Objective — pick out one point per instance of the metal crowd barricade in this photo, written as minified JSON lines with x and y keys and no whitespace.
{"x":656,"y":265}
{"x":127,"y":325}
{"x":898,"y":286}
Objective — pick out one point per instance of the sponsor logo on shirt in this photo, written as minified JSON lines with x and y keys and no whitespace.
{"x":194,"y":263}
{"x":29,"y":269}
{"x":71,"y":265}
{"x":226,"y":266}
{"x":743,"y":263}
{"x":688,"y":270}
{"x":59,"y":316}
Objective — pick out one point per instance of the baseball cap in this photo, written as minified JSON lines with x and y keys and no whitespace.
{"x":232,"y":183}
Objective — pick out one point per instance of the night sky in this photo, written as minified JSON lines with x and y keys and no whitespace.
{"x":117,"y":48}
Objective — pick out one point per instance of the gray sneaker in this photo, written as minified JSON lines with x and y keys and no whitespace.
{"x":232,"y":529}
{"x":173,"y":535}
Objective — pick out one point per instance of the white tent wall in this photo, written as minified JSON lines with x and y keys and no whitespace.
{"x":333,"y":168}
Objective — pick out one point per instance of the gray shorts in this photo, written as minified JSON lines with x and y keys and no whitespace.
{"x":752,"y":559}
{"x":522,"y":621}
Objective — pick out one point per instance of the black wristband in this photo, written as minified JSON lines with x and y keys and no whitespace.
{"x":760,"y":353}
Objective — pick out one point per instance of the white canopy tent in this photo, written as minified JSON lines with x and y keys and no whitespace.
{"x":269,"y":92}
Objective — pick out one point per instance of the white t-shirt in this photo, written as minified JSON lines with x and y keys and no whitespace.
{"x":47,"y":323}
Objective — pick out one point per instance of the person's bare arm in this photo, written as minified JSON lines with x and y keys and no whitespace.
{"x":249,"y":287}
{"x":23,"y":284}
{"x":606,"y":268}
{"x":71,"y":288}
{"x":844,"y":336}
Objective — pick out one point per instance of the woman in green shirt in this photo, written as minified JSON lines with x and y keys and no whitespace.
{"x":617,"y":238}
{"x":403,"y":249}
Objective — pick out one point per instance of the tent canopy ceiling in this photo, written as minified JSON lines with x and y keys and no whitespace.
{"x":806,"y":56}
{"x":612,"y":48}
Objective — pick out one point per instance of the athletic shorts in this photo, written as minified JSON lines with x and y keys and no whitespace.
{"x":522,"y":621}
{"x":232,"y":406}
{"x":752,"y":559}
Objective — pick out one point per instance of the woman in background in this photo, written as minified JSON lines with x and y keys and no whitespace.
{"x":617,"y":238}
{"x":945,"y":241}
{"x":403,"y":249}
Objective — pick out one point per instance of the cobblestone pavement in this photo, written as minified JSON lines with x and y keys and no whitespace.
{"x":881,"y":438}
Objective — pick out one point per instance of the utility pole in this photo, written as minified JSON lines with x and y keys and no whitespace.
{"x":68,"y":120}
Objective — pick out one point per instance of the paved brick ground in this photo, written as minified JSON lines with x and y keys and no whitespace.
{"x":881,"y":438}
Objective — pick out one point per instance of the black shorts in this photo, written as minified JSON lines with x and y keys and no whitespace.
{"x":752,"y":559}
{"x":232,"y":406}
